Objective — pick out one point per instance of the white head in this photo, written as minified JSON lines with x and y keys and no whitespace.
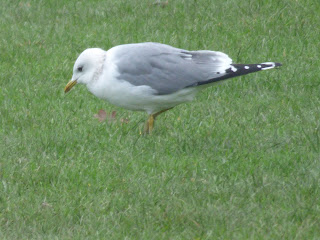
{"x":87,"y":67}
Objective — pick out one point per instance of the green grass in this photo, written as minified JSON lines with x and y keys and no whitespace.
{"x":240,"y":162}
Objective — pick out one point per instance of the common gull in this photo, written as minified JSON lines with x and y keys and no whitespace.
{"x":153,"y":77}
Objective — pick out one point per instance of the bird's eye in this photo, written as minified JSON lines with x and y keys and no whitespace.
{"x":80,"y":69}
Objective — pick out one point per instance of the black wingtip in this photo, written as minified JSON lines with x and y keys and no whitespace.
{"x":237,"y":70}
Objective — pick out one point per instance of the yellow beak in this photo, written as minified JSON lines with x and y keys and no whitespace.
{"x":70,"y":85}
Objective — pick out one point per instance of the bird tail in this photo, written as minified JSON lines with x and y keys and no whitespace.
{"x":236,"y":70}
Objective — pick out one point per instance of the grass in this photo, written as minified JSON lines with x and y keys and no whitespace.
{"x":240,"y":162}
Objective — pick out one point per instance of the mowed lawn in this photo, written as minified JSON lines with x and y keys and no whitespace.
{"x":240,"y":162}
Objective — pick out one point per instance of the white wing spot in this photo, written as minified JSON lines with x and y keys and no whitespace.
{"x":233,"y":69}
{"x":258,"y":66}
{"x":246,"y":67}
{"x":268,"y":63}
{"x":188,"y":57}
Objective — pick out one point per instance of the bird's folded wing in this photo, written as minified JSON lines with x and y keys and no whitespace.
{"x":167,"y":69}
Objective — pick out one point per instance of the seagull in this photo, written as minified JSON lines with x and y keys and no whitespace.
{"x":154,"y":77}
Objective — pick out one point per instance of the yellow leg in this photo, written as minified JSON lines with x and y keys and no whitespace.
{"x":150,"y":122}
{"x":162,"y":111}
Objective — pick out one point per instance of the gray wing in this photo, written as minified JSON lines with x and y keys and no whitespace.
{"x":167,"y":69}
